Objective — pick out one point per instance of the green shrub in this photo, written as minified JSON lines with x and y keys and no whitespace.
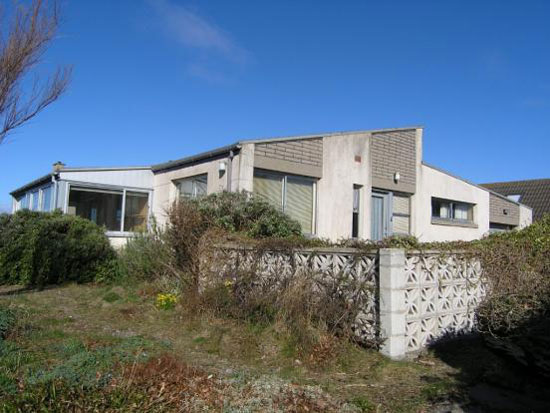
{"x":7,"y":320}
{"x":247,"y":213}
{"x":38,"y":249}
{"x":146,"y":257}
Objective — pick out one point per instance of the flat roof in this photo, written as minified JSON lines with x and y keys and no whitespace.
{"x":226,"y":149}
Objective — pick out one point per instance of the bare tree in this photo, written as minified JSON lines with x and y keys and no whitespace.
{"x":29,"y":33}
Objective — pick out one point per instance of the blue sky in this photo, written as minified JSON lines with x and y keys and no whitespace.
{"x":161,"y":79}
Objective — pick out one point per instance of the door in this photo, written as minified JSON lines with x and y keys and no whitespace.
{"x":380,"y":225}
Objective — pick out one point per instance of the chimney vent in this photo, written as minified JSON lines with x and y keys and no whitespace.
{"x":58,"y":166}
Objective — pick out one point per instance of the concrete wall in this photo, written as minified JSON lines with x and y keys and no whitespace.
{"x":391,"y":152}
{"x":503,"y":211}
{"x":345,"y":163}
{"x":165,"y":190}
{"x":435,"y":183}
{"x":525,"y":216}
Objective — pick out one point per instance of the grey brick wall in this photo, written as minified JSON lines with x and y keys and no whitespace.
{"x":394,"y":152}
{"x":497,"y":206}
{"x":302,"y":151}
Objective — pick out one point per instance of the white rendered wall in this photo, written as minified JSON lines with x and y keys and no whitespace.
{"x":434,"y":183}
{"x":341,"y":171}
{"x":525,"y":216}
{"x":131,"y":178}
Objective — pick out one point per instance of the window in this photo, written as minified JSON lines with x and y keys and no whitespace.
{"x":136,"y":210}
{"x":104,"y":207}
{"x":24,"y":203}
{"x":355,"y":212}
{"x":452,"y":210}
{"x":291,"y":194}
{"x":192,"y":187}
{"x":35,"y":198}
{"x":46,"y":199}
{"x":100,"y":206}
{"x":401,"y":214}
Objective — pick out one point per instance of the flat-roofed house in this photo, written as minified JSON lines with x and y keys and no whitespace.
{"x":361,"y":184}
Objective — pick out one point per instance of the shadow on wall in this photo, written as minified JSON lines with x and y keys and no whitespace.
{"x":490,"y":378}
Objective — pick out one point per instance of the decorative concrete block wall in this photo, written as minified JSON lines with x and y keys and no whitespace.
{"x":355,"y":273}
{"x":408,"y":299}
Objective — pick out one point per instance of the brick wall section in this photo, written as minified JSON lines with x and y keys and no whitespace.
{"x":394,"y":152}
{"x":303,"y":151}
{"x":496,"y":211}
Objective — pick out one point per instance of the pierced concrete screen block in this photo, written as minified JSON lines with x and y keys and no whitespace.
{"x":441,"y":295}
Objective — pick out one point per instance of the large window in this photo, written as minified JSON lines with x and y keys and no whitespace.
{"x":136,"y":209}
{"x":293,"y":195}
{"x":192,"y":187}
{"x":104,"y":207}
{"x":446,"y":210}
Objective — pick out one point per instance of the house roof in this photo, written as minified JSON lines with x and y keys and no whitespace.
{"x":237,"y":145}
{"x":47,"y":178}
{"x":42,"y":180}
{"x":534,"y":193}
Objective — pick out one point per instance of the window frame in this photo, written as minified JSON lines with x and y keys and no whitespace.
{"x":122,"y":190}
{"x":193,"y":178}
{"x":284,"y":177}
{"x":452,"y":208}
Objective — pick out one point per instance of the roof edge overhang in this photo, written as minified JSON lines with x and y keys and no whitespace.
{"x":328,"y":134}
{"x":201,"y":157}
{"x":476,"y":185}
{"x":37,"y":182}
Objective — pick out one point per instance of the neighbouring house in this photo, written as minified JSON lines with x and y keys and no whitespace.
{"x":360,"y":184}
{"x":533,"y":192}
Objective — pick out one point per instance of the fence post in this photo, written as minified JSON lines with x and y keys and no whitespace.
{"x":392,"y":302}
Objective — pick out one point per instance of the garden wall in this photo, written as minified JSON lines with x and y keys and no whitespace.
{"x":406,"y":298}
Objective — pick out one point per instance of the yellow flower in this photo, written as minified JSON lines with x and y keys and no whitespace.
{"x":166,"y":301}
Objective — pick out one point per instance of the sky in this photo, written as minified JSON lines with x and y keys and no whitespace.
{"x":156,"y":80}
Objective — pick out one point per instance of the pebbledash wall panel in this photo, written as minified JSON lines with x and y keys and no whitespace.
{"x":392,"y":152}
{"x":502,"y":211}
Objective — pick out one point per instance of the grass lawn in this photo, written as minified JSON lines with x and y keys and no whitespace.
{"x":99,"y":348}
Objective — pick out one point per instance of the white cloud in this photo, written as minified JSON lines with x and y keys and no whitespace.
{"x":192,"y":31}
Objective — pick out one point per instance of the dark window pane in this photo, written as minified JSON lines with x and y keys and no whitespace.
{"x":137,"y":209}
{"x":102,"y":207}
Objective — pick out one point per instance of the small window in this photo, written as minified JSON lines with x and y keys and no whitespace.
{"x":192,"y":187}
{"x":452,"y":210}
{"x":35,"y":201}
{"x":356,"y":210}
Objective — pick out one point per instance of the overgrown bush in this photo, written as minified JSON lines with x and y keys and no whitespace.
{"x":516,"y":313}
{"x":247,"y":213}
{"x":147,"y":257}
{"x":38,"y":249}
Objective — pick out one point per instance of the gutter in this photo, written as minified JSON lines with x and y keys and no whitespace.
{"x":213,"y":154}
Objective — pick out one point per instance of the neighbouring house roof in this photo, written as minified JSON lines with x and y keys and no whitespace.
{"x":534,"y":193}
{"x":215,"y":153}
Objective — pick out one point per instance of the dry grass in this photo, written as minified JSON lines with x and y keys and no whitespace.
{"x":246,"y":363}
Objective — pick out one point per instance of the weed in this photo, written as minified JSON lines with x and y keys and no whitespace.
{"x":111,"y":297}
{"x":363,"y":404}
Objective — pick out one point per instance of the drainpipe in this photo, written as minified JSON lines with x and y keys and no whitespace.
{"x":229,"y":169}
